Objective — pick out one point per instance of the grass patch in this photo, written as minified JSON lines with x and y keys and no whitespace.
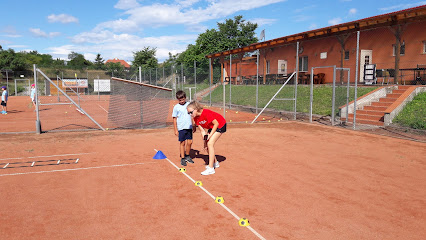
{"x":322,"y":105}
{"x":414,"y":113}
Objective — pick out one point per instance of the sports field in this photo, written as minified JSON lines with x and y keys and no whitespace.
{"x":291,"y":180}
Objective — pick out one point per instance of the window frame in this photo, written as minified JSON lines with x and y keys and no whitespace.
{"x":348,"y":55}
{"x":401,"y":49}
{"x":268,"y":66}
{"x":303,"y":63}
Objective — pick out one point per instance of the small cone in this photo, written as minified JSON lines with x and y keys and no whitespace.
{"x":159,"y":155}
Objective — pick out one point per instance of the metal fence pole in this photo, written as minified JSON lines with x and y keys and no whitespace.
{"x":140,"y":74}
{"x":224,"y":92}
{"x":230,"y":80}
{"x":356,"y":78}
{"x":347,"y":95}
{"x":195,"y":79}
{"x":181,"y":73}
{"x":210,"y":80}
{"x":296,"y":80}
{"x":38,"y":125}
{"x":333,"y":104}
{"x":311,"y":96}
{"x":257,"y":79}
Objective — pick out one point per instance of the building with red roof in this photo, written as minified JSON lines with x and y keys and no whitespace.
{"x":116,"y":60}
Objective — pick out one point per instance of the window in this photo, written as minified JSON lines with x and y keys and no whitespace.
{"x":268,"y":67}
{"x":346,"y":55}
{"x":323,"y":55}
{"x":303,"y":64}
{"x":401,"y":50}
{"x":424,"y":46}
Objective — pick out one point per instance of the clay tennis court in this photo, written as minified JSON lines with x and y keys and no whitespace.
{"x":291,"y":180}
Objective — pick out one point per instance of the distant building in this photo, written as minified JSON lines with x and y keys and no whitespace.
{"x":317,"y":51}
{"x":116,"y":60}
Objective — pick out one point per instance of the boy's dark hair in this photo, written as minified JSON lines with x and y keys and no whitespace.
{"x":180,"y":94}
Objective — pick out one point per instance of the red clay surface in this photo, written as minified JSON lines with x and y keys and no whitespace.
{"x":291,"y":180}
{"x":22,"y":118}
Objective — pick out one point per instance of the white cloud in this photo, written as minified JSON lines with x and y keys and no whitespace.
{"x":17,"y":46}
{"x":186,"y":3}
{"x":62,"y":18}
{"x":3,"y":42}
{"x":10,"y":32}
{"x":123,"y":45}
{"x":334,"y":21}
{"x":401,"y":6}
{"x":37,"y":32}
{"x":352,"y":11}
{"x":263,"y":21}
{"x":126,"y":4}
{"x":301,"y":18}
{"x":158,"y":15}
{"x":313,"y":26}
{"x":117,"y":38}
{"x":12,"y":35}
{"x":304,"y":9}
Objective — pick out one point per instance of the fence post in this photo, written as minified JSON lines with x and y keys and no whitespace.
{"x":356,"y":78}
{"x":38,"y":124}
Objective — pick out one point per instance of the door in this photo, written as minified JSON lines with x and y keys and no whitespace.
{"x":365,"y":58}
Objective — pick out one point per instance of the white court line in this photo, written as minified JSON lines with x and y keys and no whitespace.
{"x":71,"y":154}
{"x":211,"y":195}
{"x":103,"y":108}
{"x":75,"y":169}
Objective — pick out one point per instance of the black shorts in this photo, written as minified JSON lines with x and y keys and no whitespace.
{"x":3,"y":103}
{"x":220,"y":130}
{"x":185,"y":134}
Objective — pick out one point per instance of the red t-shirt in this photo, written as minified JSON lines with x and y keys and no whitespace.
{"x":206,"y":118}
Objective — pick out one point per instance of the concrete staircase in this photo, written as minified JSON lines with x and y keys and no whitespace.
{"x":374,"y":113}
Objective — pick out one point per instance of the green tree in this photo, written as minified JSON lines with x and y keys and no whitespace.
{"x":99,"y":62}
{"x":9,"y":59}
{"x":233,"y":33}
{"x":115,"y":69}
{"x":145,"y":58}
{"x":77,"y":61}
{"x":57,"y":66}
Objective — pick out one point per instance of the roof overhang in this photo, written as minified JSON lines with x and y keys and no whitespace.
{"x":404,"y":16}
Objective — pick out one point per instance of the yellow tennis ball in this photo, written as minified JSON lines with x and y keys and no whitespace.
{"x":198,"y":183}
{"x":182,"y":169}
{"x":236,"y":112}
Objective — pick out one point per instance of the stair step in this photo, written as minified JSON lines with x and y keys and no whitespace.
{"x":399,"y":91}
{"x":381,"y":104}
{"x":393,"y":95}
{"x":367,"y":117}
{"x":366,"y":112}
{"x":361,"y":121}
{"x":386,"y":99}
{"x":374,"y":108}
{"x":403,"y":87}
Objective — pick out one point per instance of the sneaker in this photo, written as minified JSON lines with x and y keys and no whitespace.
{"x":189,"y":159}
{"x":183,"y":161}
{"x":2,"y":112}
{"x":215,"y":165}
{"x":208,"y":171}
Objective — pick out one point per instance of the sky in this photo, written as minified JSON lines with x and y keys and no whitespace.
{"x":118,"y":28}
